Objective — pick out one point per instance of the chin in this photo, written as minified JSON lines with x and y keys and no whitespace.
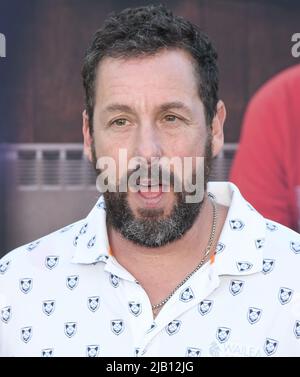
{"x":159,"y":206}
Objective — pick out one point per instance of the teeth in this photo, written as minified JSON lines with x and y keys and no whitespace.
{"x":149,"y":184}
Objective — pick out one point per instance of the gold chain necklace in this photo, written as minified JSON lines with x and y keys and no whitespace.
{"x":207,"y":251}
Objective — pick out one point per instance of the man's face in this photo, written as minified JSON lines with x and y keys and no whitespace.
{"x":150,"y":107}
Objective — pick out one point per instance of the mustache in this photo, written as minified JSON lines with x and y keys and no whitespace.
{"x":151,"y":175}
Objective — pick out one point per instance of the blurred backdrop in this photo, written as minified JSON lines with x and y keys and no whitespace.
{"x":45,"y":181}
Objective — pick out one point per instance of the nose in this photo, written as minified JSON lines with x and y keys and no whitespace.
{"x":147,"y":142}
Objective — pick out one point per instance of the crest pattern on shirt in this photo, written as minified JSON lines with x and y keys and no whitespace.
{"x":295,"y":247}
{"x":193,"y":352}
{"x":114,"y":280}
{"x":48,"y":307}
{"x":26,"y":334}
{"x":220,"y":247}
{"x":236,"y":224}
{"x":254,"y":315}
{"x":285,"y":295}
{"x":205,"y":306}
{"x":271,"y":227}
{"x":92,"y":350}
{"x":244,"y":266}
{"x":152,"y":327}
{"x":75,"y":241}
{"x":72,"y":281}
{"x":102,"y":258}
{"x":268,"y":265}
{"x":51,"y":261}
{"x":91,"y":242}
{"x":260,"y":243}
{"x":4,"y":266}
{"x":270,"y":346}
{"x":93,"y":303}
{"x":223,"y":334}
{"x":26,"y":285}
{"x":117,"y":326}
{"x":297,"y":329}
{"x":135,"y":308}
{"x":70,"y":329}
{"x":173,"y":327}
{"x":236,"y":287}
{"x":47,"y":352}
{"x":6,"y":314}
{"x":83,"y":229}
{"x":186,"y":295}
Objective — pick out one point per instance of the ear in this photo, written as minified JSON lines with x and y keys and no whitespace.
{"x":87,"y":137}
{"x":217,"y":128}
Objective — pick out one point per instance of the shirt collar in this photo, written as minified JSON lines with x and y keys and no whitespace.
{"x":239,"y":250}
{"x":90,"y":241}
{"x":240,"y":246}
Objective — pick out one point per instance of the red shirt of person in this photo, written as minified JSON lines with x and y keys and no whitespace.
{"x":267,"y":164}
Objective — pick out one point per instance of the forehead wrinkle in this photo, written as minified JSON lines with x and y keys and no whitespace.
{"x":120,"y":107}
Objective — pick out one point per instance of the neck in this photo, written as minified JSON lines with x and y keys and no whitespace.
{"x":178,"y":258}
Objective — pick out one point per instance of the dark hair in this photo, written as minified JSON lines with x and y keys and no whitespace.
{"x":146,"y":30}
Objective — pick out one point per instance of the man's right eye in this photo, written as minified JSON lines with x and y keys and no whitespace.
{"x":119,"y":122}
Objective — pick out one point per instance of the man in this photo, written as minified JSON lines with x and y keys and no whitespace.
{"x":267,"y":164}
{"x":149,"y":272}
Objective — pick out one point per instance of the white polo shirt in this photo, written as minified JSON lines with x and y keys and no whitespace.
{"x":65,"y":295}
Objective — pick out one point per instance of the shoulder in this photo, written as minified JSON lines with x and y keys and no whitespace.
{"x":30,"y":256}
{"x":282,"y":237}
{"x":282,"y":249}
{"x":275,"y":90}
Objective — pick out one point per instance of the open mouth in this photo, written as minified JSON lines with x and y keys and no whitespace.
{"x":151,"y":192}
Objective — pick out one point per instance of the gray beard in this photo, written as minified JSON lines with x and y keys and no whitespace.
{"x":151,"y":229}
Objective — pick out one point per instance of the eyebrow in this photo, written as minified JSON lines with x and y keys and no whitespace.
{"x":114,"y":107}
{"x":174,"y":105}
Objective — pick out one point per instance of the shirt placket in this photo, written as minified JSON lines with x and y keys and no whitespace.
{"x":199,"y":286}
{"x":132,"y":293}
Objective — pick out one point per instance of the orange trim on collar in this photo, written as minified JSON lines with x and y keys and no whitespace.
{"x":212,"y":258}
